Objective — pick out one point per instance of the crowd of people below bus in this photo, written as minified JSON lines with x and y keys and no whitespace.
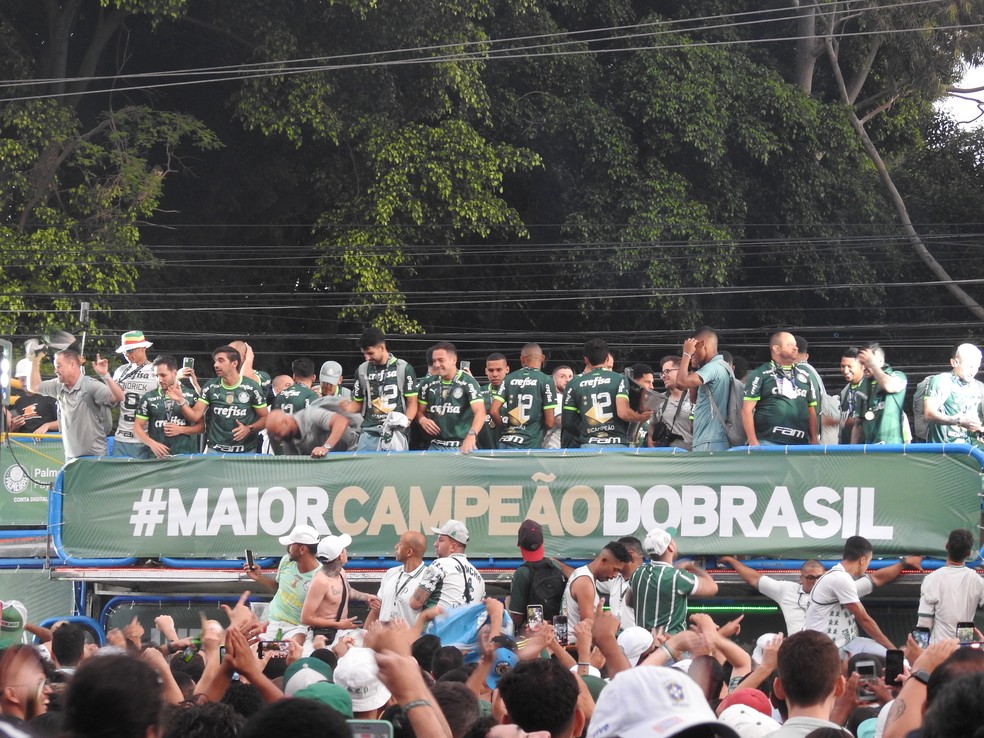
{"x":709,"y":401}
{"x":611,"y":649}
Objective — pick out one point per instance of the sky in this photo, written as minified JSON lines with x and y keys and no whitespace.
{"x":963,"y":110}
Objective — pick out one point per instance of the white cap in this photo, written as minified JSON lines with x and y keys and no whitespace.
{"x":301,"y":534}
{"x":358,"y":673}
{"x":454,"y":529}
{"x":760,"y":645}
{"x":331,"y":547}
{"x":23,"y":368}
{"x":748,"y":722}
{"x":634,"y":642}
{"x":331,"y":372}
{"x":657,"y":541}
{"x":652,"y":702}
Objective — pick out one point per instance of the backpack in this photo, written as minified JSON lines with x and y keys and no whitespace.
{"x":547,"y":584}
{"x":734,"y":430}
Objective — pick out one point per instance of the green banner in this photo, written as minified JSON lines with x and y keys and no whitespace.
{"x":774,"y":504}
{"x":28,"y":464}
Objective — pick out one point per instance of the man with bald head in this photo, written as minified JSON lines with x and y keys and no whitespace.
{"x":399,"y":583}
{"x":524,"y":403}
{"x":953,"y":400}
{"x":780,"y":400}
{"x":313,"y":431}
{"x":703,"y":369}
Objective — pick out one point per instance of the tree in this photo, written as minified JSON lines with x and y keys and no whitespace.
{"x":78,"y":178}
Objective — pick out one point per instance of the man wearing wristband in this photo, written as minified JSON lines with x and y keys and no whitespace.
{"x":83,"y":402}
{"x":313,"y":431}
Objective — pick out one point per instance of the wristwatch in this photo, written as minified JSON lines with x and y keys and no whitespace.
{"x":326,"y":447}
{"x":920,"y":676}
{"x":471,"y":433}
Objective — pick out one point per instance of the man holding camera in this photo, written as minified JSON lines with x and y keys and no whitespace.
{"x":671,"y":425}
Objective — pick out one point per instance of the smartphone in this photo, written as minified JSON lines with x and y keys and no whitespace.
{"x":188,"y":362}
{"x":465,"y":366}
{"x":893,"y":666}
{"x":921,"y":637}
{"x":370,"y":728}
{"x":868,"y":672}
{"x":560,"y":629}
{"x":534,"y":616}
{"x":280,"y":649}
{"x":965,"y":632}
{"x":249,"y":558}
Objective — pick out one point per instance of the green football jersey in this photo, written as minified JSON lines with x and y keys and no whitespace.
{"x":783,"y":398}
{"x":954,"y":397}
{"x":449,"y":404}
{"x":384,"y":394}
{"x":880,"y":413}
{"x":525,"y":395}
{"x":294,"y":398}
{"x":156,"y":409}
{"x":590,"y":413}
{"x":226,"y":406}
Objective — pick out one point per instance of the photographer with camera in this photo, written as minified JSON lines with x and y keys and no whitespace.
{"x":671,"y":425}
{"x":83,"y":402}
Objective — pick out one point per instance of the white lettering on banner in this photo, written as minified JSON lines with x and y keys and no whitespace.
{"x":273,"y":512}
{"x":697,"y":511}
{"x":694,"y":510}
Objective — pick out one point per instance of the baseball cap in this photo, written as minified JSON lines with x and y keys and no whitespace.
{"x":358,"y":673}
{"x":453,"y":529}
{"x":13,"y":616}
{"x":747,"y":721}
{"x":761,"y":644}
{"x":301,"y":534}
{"x":305,"y":672}
{"x":531,"y":540}
{"x":634,"y":642}
{"x":753,"y":698}
{"x":653,"y":702}
{"x":331,"y":547}
{"x":657,"y":541}
{"x":331,"y":372}
{"x":328,"y":694}
{"x":132,"y":340}
{"x":502,"y":663}
{"x":23,"y":368}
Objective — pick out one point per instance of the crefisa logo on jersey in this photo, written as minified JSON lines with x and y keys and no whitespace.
{"x":15,"y":480}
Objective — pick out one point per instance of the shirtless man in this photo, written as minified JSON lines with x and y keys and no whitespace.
{"x":325,"y":607}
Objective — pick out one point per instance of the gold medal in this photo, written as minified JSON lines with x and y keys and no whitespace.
{"x":870,"y":415}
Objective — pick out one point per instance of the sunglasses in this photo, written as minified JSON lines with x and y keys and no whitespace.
{"x":811,"y":577}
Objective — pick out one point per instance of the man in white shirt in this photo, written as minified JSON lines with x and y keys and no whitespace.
{"x":835,"y":603}
{"x":399,"y":583}
{"x":952,"y":594}
{"x":451,"y":580}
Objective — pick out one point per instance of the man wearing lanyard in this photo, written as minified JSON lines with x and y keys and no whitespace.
{"x":780,"y":402}
{"x":400,"y":582}
{"x":853,"y":374}
{"x":880,"y":409}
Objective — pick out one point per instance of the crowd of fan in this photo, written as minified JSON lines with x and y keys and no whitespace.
{"x":442,"y":672}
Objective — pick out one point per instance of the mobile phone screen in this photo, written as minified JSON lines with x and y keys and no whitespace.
{"x":249,"y":558}
{"x":534,"y":616}
{"x":921,"y":637}
{"x":965,"y":632}
{"x":560,"y":629}
{"x":188,"y":362}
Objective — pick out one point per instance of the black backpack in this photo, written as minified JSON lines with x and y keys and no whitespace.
{"x":547,"y":584}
